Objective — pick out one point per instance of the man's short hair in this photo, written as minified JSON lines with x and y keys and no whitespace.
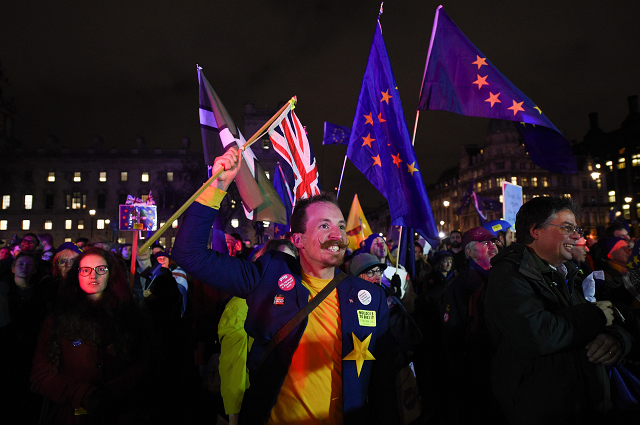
{"x":609,"y":231}
{"x":299,"y":216}
{"x":83,"y":240}
{"x":34,"y":236}
{"x":456,"y":231}
{"x":46,"y":237}
{"x":538,"y":211}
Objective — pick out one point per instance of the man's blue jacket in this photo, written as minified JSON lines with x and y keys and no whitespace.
{"x":369,"y":398}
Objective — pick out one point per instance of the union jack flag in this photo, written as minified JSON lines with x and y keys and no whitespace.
{"x":289,"y":139}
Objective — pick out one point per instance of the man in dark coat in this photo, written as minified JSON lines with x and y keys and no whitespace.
{"x":551,"y":345}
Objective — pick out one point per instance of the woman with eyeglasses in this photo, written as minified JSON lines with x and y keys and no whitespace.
{"x":92,"y":353}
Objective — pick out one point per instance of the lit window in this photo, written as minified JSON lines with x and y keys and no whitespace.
{"x":3,"y":224}
{"x":67,"y":239}
{"x":103,"y":176}
{"x":163,"y":241}
{"x":100,"y":224}
{"x":80,"y":224}
{"x":51,"y":177}
{"x":612,"y":196}
{"x":162,"y":223}
{"x":68,"y":224}
{"x":625,"y":207}
{"x":635,"y":160}
{"x":173,"y":240}
{"x":545,"y":182}
{"x":169,"y":176}
{"x":48,"y":225}
{"x":234,"y":223}
{"x":268,"y":174}
{"x":621,"y":163}
{"x":76,"y":201}
{"x":479,"y":186}
{"x":525,"y":181}
{"x":501,"y":199}
{"x":122,"y":240}
{"x":609,"y":164}
{"x":26,"y":224}
{"x":28,"y":202}
{"x":534,"y":181}
{"x":76,"y":177}
{"x":175,"y":224}
{"x":567,"y":195}
{"x":123,"y":176}
{"x":265,"y":144}
{"x":6,"y":201}
{"x":145,"y":176}
{"x":514,"y":180}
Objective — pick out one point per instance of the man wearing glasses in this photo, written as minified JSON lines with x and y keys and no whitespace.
{"x":551,"y":345}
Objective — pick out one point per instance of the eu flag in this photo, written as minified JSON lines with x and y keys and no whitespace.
{"x":335,"y":134}
{"x":459,"y":78}
{"x":380,"y":146}
{"x":284,"y":192}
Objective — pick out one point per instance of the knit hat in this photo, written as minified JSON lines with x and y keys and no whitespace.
{"x":161,"y":254}
{"x":363,"y":262}
{"x":70,"y":245}
{"x":609,"y":244}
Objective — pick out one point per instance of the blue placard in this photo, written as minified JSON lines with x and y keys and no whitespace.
{"x":512,"y":201}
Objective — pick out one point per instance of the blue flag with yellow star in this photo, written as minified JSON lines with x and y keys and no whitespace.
{"x":459,"y":78}
{"x":380,"y":146}
{"x":284,"y":192}
{"x":335,"y":134}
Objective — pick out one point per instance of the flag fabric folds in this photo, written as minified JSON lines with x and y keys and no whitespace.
{"x":358,"y":228}
{"x":290,"y":141}
{"x":219,"y":133}
{"x":335,"y":134}
{"x":380,"y":146}
{"x":480,"y":203}
{"x":459,"y":78}
{"x":284,"y":192}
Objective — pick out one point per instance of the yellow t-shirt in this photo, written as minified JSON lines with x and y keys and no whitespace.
{"x":312,"y":390}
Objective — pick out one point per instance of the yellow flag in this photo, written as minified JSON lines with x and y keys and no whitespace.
{"x":357,"y":226}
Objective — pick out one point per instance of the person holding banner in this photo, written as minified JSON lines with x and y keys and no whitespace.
{"x":334,"y":364}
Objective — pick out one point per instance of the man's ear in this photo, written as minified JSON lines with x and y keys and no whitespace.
{"x":535,"y":232}
{"x":298,"y":240}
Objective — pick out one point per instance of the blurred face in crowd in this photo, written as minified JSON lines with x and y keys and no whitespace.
{"x":231,"y":245}
{"x":92,"y":282}
{"x":621,"y":255}
{"x":164,"y":261}
{"x":143,"y":256}
{"x":455,"y":239}
{"x":373,"y":275}
{"x":5,"y":253}
{"x":579,"y":252}
{"x":24,"y":268}
{"x":482,"y":253}
{"x":508,"y":238}
{"x":64,"y":260}
{"x":16,"y":251}
{"x":552,"y":243}
{"x":126,"y":252}
{"x":28,"y":243}
{"x":622,"y":233}
{"x":445,"y":264}
{"x":379,"y":248}
{"x":418,"y":252}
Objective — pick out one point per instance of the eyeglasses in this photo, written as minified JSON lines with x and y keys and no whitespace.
{"x":569,"y":228}
{"x":377,"y":271}
{"x":66,"y":263}
{"x":86,"y":271}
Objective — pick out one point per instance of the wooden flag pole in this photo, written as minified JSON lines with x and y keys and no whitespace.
{"x":214,"y":175}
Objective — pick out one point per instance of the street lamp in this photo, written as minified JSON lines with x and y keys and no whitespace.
{"x":446,"y":213}
{"x":92,"y":213}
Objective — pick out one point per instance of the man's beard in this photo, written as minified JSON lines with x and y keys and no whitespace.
{"x":456,"y":244}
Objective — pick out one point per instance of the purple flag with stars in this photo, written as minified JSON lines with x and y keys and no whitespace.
{"x":380,"y":146}
{"x":460,"y":79}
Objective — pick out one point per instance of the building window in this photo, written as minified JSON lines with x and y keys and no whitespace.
{"x":48,"y":225}
{"x":77,"y":177}
{"x":501,"y":199}
{"x":6,"y":201}
{"x":609,"y":165}
{"x":48,"y":201}
{"x":514,"y":180}
{"x":80,"y":224}
{"x":51,"y":177}
{"x":545,"y":182}
{"x":124,"y":176}
{"x":621,"y":163}
{"x":145,"y":176}
{"x":479,"y":186}
{"x":28,"y":202}
{"x":26,"y":224}
{"x":100,"y":224}
{"x":169,"y":176}
{"x":612,"y":196}
{"x":102,"y":201}
{"x":635,"y":160}
{"x":76,"y":201}
{"x":268,"y":174}
{"x":174,"y":224}
{"x":144,"y":197}
{"x":525,"y":198}
{"x":103,"y":176}
{"x":163,"y":241}
{"x":567,"y":195}
{"x":490,"y":183}
{"x":122,"y":199}
{"x":534,"y":181}
{"x":265,"y":144}
{"x":68,"y":224}
{"x":67,"y":239}
{"x":3,"y":224}
{"x":500,"y":165}
{"x":525,"y":181}
{"x":122,"y":240}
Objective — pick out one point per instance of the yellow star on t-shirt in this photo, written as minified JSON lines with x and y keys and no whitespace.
{"x":368,"y":140}
{"x":376,"y":160}
{"x":480,"y":61}
{"x":396,"y":159}
{"x":360,"y":352}
{"x":517,"y":106}
{"x":369,"y":119}
{"x":481,"y":81}
{"x":385,"y":96}
{"x":412,"y":168}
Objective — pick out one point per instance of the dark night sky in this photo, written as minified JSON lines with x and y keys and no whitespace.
{"x":120,"y":69}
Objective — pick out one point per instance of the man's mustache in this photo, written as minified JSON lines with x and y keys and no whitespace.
{"x":341,"y":244}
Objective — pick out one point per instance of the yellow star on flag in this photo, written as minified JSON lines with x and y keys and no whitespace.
{"x":376,"y":160}
{"x":380,"y":118}
{"x":396,"y":159}
{"x":481,"y":81}
{"x":480,"y":61}
{"x":538,"y":109}
{"x":360,"y":352}
{"x":385,"y":96}
{"x":493,"y":98}
{"x":369,"y":119}
{"x":368,"y":140}
{"x":412,"y":168}
{"x":517,"y":106}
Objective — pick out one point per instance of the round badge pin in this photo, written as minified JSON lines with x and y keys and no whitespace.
{"x":364,"y":296}
{"x":446,"y":317}
{"x":286,"y":282}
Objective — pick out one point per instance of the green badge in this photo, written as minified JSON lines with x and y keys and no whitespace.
{"x":367,"y":318}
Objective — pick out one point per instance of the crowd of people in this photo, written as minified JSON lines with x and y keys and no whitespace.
{"x":498,"y":324}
